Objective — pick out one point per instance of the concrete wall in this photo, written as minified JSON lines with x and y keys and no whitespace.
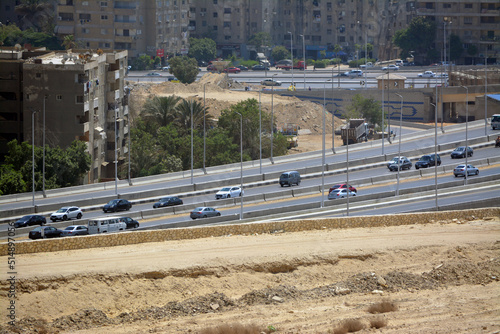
{"x":136,"y":237}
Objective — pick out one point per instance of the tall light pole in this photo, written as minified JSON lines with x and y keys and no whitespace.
{"x":204,"y":127}
{"x":43,"y":163}
{"x":260,"y":133}
{"x":191,"y":119}
{"x":399,"y":146}
{"x":333,"y":121}
{"x":435,"y":154}
{"x":33,"y":112}
{"x":304,"y":56}
{"x":291,"y":52}
{"x":116,"y":153}
{"x":383,"y":118}
{"x":485,"y":94}
{"x":241,"y":164}
{"x":323,"y":148}
{"x":466,"y":133}
{"x":272,"y":117}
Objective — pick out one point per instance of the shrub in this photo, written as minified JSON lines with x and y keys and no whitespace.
{"x":235,"y":329}
{"x":383,"y":307}
{"x":349,"y":326}
{"x":378,"y":322}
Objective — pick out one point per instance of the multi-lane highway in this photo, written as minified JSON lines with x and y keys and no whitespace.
{"x":367,"y":172}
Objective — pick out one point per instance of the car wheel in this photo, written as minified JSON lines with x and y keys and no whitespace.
{"x":65,"y":217}
{"x":218,"y":214}
{"x":128,"y":208}
{"x":79,"y":216}
{"x":477,"y":172}
{"x":228,"y":196}
{"x":205,"y":216}
{"x":456,"y":175}
{"x":281,"y":184}
{"x":416,"y":167}
{"x":136,"y":225}
{"x":298,"y":183}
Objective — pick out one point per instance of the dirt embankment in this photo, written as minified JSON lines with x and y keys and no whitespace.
{"x":434,"y":278}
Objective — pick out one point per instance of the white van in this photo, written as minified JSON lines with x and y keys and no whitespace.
{"x":495,"y":121}
{"x":104,"y":225}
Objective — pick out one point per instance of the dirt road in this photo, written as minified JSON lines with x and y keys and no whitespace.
{"x":439,"y":278}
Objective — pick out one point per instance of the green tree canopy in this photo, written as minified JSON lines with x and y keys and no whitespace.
{"x":202,"y":49}
{"x":419,"y":37}
{"x":35,"y":14}
{"x":260,"y":40}
{"x":163,"y":109}
{"x":280,"y":52}
{"x":184,"y":68}
{"x":456,"y":47}
{"x":366,"y":108}
{"x":142,"y":63}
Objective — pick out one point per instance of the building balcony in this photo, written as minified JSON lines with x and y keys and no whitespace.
{"x":113,"y":95}
{"x":113,"y":75}
{"x":125,"y":110}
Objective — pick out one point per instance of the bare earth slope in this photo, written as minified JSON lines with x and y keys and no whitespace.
{"x":443,"y":278}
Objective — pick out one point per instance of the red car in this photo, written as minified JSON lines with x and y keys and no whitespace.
{"x":232,"y":70}
{"x":343,"y":186}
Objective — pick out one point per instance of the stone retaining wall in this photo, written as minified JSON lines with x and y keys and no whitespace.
{"x":136,"y":237}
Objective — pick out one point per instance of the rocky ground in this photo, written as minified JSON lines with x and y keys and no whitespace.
{"x":434,"y":278}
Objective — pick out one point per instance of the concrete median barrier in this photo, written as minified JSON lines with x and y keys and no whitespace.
{"x":278,"y":195}
{"x":306,"y":190}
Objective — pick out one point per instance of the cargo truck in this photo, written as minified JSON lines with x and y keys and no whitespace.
{"x":300,"y":65}
{"x":355,"y":131}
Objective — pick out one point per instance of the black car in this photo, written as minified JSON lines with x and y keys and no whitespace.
{"x":428,"y":160}
{"x":30,"y":220}
{"x":48,"y":232}
{"x":260,"y":68}
{"x":459,"y":152}
{"x":117,"y":205}
{"x":168,"y":201}
{"x":403,"y":164}
{"x":131,"y":223}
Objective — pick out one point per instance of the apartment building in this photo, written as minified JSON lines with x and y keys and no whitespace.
{"x":476,"y":23}
{"x":78,"y":95}
{"x":140,"y":27}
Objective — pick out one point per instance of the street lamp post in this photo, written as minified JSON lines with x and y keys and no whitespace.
{"x":383,"y":118}
{"x":116,"y":153}
{"x":272,"y":117}
{"x":435,"y":154}
{"x":33,"y":112}
{"x":204,"y":129}
{"x":43,"y":163}
{"x":323,"y":148}
{"x":291,"y":52}
{"x":333,"y":121}
{"x":260,"y":134}
{"x":466,"y":133}
{"x":485,"y":94}
{"x":241,"y":164}
{"x":191,"y":119}
{"x":304,"y":56}
{"x":399,"y":146}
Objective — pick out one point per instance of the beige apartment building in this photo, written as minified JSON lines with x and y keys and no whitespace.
{"x":79,"y":96}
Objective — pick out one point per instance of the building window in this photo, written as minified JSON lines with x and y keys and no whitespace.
{"x":215,"y":28}
{"x":104,"y":17}
{"x":104,"y":31}
{"x":215,"y":2}
{"x":468,"y":6}
{"x":58,"y":97}
{"x":85,"y":30}
{"x":85,"y":17}
{"x":447,"y":5}
{"x":38,"y":75}
{"x":329,"y":31}
{"x":85,"y":3}
{"x":467,"y":20}
{"x":227,"y":24}
{"x":328,"y":6}
{"x":104,"y":4}
{"x":27,"y":97}
{"x":79,"y":99}
{"x":215,"y":14}
{"x":227,"y":38}
{"x":227,"y":10}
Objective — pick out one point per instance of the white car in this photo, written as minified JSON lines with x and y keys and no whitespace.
{"x":228,"y":192}
{"x":270,"y":82}
{"x":340,"y":193}
{"x":427,"y":74}
{"x":354,"y":73}
{"x":390,"y":67}
{"x":67,"y":212}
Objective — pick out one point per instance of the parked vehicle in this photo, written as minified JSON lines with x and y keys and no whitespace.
{"x":117,"y":205}
{"x":340,"y":193}
{"x":167,"y":201}
{"x":403,"y":164}
{"x":129,"y":222}
{"x":153,"y":74}
{"x":342,"y":186}
{"x":290,"y":178}
{"x":260,"y":68}
{"x":390,"y":68}
{"x":243,"y":68}
{"x":30,"y":220}
{"x":427,"y":74}
{"x":394,"y":160}
{"x":228,"y":192}
{"x":459,"y":152}
{"x":355,"y":131}
{"x":42,"y":232}
{"x":232,"y":70}
{"x":495,"y":121}
{"x":367,"y":65}
{"x":460,"y":170}
{"x":286,"y":65}
{"x":104,"y":225}
{"x":67,"y":212}
{"x":73,"y":230}
{"x":270,"y":82}
{"x":428,"y":160}
{"x":204,"y":212}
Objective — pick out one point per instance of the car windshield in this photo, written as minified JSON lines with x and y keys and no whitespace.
{"x":225,"y":189}
{"x":425,"y":158}
{"x":460,"y":149}
{"x":198,"y":209}
{"x":166,"y":199}
{"x":69,"y":228}
{"x":62,"y":210}
{"x":37,"y":229}
{"x":25,"y":218}
{"x":113,"y":202}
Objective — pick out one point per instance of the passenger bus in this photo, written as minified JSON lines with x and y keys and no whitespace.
{"x":104,"y":225}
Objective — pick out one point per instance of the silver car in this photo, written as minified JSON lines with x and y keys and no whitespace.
{"x":228,"y":192}
{"x":460,"y":170}
{"x":67,"y":212}
{"x":340,"y":193}
{"x":75,"y":230}
{"x":204,"y":212}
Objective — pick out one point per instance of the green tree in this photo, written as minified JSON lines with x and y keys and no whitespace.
{"x":35,"y":14}
{"x":162,"y":109}
{"x":142,"y":63}
{"x":280,"y":52}
{"x":184,"y":68}
{"x":366,"y":108}
{"x":202,"y":49}
{"x":472,"y":50}
{"x":456,"y":47}
{"x":418,"y":37}
{"x":260,"y":41}
{"x":69,"y":42}
{"x":183,"y":118}
{"x":11,"y":181}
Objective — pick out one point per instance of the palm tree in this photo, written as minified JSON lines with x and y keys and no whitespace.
{"x":162,"y":109}
{"x":69,"y":42}
{"x":184,"y":115}
{"x":35,"y":13}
